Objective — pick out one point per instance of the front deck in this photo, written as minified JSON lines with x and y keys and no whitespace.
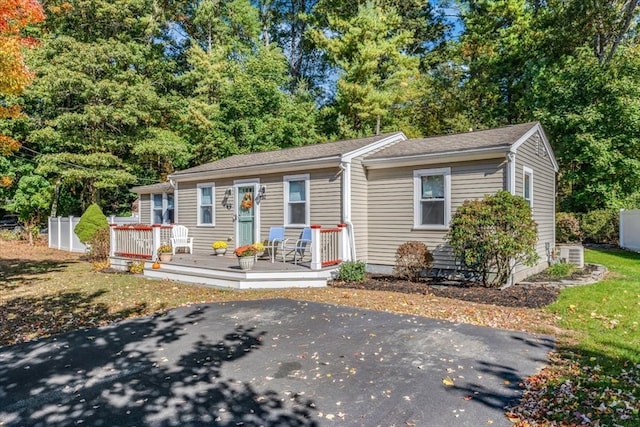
{"x":223,"y":272}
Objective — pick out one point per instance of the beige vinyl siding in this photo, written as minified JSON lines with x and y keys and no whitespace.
{"x":359,"y":211}
{"x":533,"y":155}
{"x":144,"y":208}
{"x":390,"y":197}
{"x":324,"y":199}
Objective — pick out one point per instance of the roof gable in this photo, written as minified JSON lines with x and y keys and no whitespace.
{"x":473,"y":145}
{"x":497,"y":138}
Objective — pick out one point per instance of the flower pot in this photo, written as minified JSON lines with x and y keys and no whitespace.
{"x":246,"y":262}
{"x":165,"y":257}
{"x":221,"y":251}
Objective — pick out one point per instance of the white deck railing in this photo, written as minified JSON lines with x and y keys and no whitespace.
{"x":328,"y":246}
{"x":138,"y":241}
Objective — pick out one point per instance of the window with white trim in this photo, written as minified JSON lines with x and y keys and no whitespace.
{"x":296,"y":200}
{"x":206,"y":204}
{"x":432,"y":198}
{"x":527,"y":185}
{"x":162,"y":210}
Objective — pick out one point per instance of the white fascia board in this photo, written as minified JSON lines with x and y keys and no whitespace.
{"x":447,"y":157}
{"x":396,"y":137}
{"x":285,"y":167}
{"x":537,"y":128}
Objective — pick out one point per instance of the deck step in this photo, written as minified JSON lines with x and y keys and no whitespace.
{"x":239,"y":279}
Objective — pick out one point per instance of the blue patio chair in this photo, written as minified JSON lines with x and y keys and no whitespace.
{"x":275,"y":241}
{"x":300,"y":248}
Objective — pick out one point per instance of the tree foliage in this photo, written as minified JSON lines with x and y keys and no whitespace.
{"x":129,"y":91}
{"x":15,"y":16}
{"x":492,"y":236}
{"x":31,"y":202}
{"x":377,"y":74}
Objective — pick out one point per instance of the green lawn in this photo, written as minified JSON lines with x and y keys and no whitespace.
{"x":607,"y":314}
{"x":595,"y":378}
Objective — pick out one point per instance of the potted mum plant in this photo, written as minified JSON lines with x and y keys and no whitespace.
{"x":259,"y":249}
{"x":165,"y":252}
{"x":220,"y":246}
{"x":246,"y":256}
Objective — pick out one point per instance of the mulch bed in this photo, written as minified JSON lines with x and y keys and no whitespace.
{"x":513,"y":296}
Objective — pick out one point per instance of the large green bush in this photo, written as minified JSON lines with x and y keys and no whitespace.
{"x":601,"y":226}
{"x":491,"y":236}
{"x":412,"y":258}
{"x":567,"y":228}
{"x":91,"y":221}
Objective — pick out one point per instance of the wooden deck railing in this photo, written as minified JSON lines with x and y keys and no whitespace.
{"x":138,"y":241}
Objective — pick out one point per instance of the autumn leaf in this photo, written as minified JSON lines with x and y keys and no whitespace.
{"x":448,"y":381}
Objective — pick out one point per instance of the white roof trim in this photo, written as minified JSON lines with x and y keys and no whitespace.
{"x":537,"y":128}
{"x":396,"y":137}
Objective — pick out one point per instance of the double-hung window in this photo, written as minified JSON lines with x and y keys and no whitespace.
{"x":162,"y":210}
{"x":296,"y":200}
{"x":527,"y":185}
{"x":206,"y":204}
{"x":432,"y":198}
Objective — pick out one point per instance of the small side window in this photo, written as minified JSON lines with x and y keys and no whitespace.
{"x":527,"y":185}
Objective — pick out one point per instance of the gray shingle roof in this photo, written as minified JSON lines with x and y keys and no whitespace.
{"x":162,"y":187}
{"x":482,"y":139}
{"x":288,"y":155}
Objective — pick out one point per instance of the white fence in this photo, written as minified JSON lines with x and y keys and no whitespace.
{"x":630,"y":229}
{"x":62,"y":236}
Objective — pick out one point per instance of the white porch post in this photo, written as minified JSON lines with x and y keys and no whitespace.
{"x":316,"y":256}
{"x":112,"y":239}
{"x":155,"y":238}
{"x":343,"y":243}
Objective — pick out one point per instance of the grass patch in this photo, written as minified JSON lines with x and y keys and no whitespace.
{"x":595,"y":379}
{"x":607,"y":314}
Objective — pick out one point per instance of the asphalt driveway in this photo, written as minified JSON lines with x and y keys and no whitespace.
{"x":273,"y":363}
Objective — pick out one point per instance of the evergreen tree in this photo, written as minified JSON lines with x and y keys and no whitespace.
{"x":101,"y":106}
{"x":376,"y":75}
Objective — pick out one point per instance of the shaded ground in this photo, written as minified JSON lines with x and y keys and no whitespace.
{"x":513,"y":296}
{"x":273,"y":362}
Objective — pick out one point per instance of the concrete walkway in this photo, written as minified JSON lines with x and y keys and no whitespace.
{"x":272,"y":363}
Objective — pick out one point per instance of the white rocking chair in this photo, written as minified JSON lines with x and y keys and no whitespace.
{"x":180,"y":239}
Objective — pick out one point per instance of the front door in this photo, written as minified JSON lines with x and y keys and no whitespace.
{"x":246,"y":215}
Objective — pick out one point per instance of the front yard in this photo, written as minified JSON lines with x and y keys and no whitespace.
{"x":593,"y":379}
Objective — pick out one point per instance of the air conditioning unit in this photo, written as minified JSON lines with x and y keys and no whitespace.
{"x":572,"y":255}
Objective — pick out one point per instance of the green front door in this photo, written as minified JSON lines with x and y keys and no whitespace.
{"x":246,"y":215}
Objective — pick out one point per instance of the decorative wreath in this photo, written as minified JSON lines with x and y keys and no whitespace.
{"x":247,"y":201}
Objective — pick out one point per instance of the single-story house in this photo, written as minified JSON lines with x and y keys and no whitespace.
{"x":387,"y":189}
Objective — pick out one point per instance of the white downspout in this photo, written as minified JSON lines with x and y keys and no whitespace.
{"x":346,"y":205}
{"x":511,"y":172}
{"x":511,"y":188}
